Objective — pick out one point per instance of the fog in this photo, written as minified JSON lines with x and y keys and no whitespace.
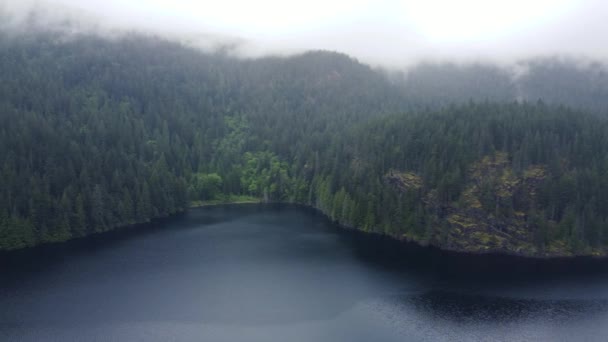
{"x":388,"y":33}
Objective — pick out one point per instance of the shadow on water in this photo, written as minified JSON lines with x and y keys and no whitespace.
{"x":376,"y":250}
{"x":287,"y":266}
{"x":45,"y":256}
{"x":386,"y":252}
{"x":466,"y":288}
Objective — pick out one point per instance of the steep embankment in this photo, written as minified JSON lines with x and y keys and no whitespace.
{"x":529,"y":180}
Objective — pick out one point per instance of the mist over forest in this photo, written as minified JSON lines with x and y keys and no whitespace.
{"x":556,"y":77}
{"x":107,"y":124}
{"x":389,"y":34}
{"x":271,"y":170}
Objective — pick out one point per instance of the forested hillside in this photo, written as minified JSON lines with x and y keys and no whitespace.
{"x":522,"y":179}
{"x":99,"y":133}
{"x":102,"y":133}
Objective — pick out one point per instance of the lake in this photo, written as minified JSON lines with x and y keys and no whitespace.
{"x":285,"y":273}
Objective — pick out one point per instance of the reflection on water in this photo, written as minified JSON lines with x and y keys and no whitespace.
{"x":277,"y":273}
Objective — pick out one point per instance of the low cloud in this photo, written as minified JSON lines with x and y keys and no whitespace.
{"x":388,"y":33}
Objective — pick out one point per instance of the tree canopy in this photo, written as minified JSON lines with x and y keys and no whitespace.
{"x":99,"y":134}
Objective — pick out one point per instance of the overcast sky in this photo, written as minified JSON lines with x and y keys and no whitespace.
{"x":389,"y":32}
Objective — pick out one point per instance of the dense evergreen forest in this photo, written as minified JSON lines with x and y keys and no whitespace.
{"x":102,"y":133}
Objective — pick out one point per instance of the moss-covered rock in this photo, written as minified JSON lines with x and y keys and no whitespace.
{"x":498,"y":225}
{"x":404,"y":180}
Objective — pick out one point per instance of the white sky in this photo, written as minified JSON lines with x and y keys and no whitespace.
{"x":390,"y":32}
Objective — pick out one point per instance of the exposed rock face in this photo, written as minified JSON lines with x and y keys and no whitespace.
{"x":404,"y":181}
{"x":492,"y":213}
{"x":503,"y":228}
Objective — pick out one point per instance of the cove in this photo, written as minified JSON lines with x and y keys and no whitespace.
{"x":285,"y":273}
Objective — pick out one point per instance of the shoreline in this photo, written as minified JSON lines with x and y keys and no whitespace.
{"x":425,"y":244}
{"x":215,"y":204}
{"x":489,"y":252}
{"x":403,"y":239}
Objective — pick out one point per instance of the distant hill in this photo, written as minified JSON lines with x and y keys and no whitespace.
{"x":575,"y":83}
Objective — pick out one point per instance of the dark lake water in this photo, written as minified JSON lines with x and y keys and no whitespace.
{"x":283,"y":273}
